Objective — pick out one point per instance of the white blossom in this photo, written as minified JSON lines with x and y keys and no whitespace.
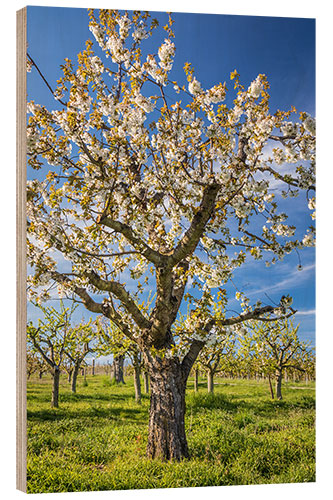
{"x":124,"y":24}
{"x":310,"y":124}
{"x":140,"y":32}
{"x":166,"y":53}
{"x":194,"y":87}
{"x":255,"y":88}
{"x":96,"y":65}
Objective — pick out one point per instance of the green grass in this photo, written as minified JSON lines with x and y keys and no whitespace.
{"x":96,"y":439}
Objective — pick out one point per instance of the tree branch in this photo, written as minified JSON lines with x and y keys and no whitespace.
{"x":191,"y":356}
{"x":142,"y":247}
{"x":44,"y":80}
{"x":257,"y":314}
{"x":89,"y":303}
{"x":119,"y":291}
{"x":193,"y":234}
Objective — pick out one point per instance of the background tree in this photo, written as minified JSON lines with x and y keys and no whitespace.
{"x":35,"y":362}
{"x":68,"y":366}
{"x":113,"y":341}
{"x":78,"y":347}
{"x":51,"y":338}
{"x":276,"y":347}
{"x":136,"y":357}
{"x":118,"y":369}
{"x":146,"y":188}
{"x":220,"y":345}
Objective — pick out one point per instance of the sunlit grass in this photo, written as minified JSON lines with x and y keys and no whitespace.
{"x":96,"y":439}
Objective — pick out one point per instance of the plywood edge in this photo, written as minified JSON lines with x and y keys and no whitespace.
{"x":21,"y":302}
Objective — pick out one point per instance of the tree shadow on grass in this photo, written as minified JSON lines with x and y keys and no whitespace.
{"x":233,"y":403}
{"x":94,"y":397}
{"x":119,"y":414}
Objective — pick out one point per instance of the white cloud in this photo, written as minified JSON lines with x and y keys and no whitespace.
{"x":295,"y":278}
{"x":307,"y":312}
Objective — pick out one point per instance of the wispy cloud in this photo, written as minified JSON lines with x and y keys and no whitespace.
{"x":308,"y":312}
{"x":295,"y":278}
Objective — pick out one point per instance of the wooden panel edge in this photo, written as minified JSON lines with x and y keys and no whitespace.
{"x":21,"y":301}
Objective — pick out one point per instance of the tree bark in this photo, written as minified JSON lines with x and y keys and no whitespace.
{"x":270,"y":386}
{"x":55,"y":388}
{"x":70,"y":373}
{"x":74,"y":377}
{"x":118,"y":369}
{"x":166,"y":431}
{"x":278,"y":385}
{"x":146,"y":381}
{"x":210,"y":381}
{"x":137,"y":382}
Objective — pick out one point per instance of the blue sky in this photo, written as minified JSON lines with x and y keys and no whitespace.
{"x":281,"y":48}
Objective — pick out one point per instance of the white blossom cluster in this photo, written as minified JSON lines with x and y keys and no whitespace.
{"x":166,"y":54}
{"x":256,"y":88}
{"x":194,"y":87}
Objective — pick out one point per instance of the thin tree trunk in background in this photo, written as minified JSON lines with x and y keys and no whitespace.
{"x":74,"y":377}
{"x":270,"y":386}
{"x":137,"y":382}
{"x":55,"y":388}
{"x":118,"y":369}
{"x":93,"y":367}
{"x":278,"y":385}
{"x":210,"y":381}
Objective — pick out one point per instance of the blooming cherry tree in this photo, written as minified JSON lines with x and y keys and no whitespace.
{"x":163,"y":185}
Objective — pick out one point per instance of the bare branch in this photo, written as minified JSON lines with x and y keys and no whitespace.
{"x":44,"y":79}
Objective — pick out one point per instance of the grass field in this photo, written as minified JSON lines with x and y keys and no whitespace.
{"x":96,"y":439}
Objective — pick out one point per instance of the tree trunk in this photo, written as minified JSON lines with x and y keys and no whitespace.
{"x":137,"y":382}
{"x":55,"y":388}
{"x":270,"y":386}
{"x":146,"y":381}
{"x":196,"y":379}
{"x":70,"y":373}
{"x":93,"y":367}
{"x":210,"y":381}
{"x":74,"y":377}
{"x":278,"y":385}
{"x":118,"y":369}
{"x":166,"y":431}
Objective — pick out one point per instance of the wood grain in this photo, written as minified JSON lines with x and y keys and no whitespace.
{"x":21,"y":301}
